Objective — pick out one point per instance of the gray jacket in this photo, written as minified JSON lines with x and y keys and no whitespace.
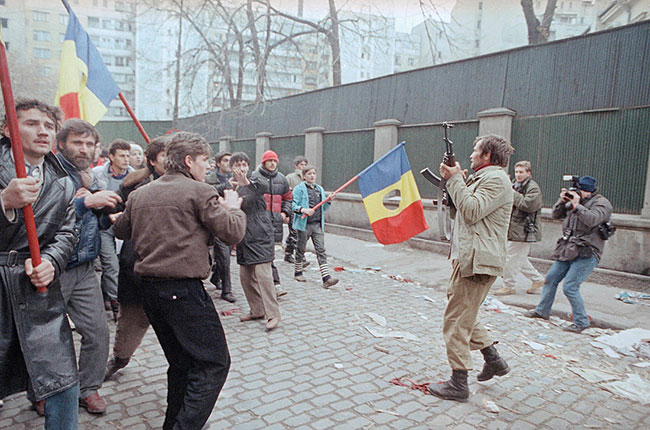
{"x":526,"y":208}
{"x":580,"y":227}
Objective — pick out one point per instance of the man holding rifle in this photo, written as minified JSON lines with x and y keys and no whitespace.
{"x":36,"y":348}
{"x":478,"y":253}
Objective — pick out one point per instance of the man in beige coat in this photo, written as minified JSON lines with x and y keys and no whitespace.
{"x":478,"y":255}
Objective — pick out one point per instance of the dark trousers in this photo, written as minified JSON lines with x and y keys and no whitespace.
{"x":276,"y":274}
{"x":292,"y":240}
{"x":221,"y":273}
{"x":190,"y":333}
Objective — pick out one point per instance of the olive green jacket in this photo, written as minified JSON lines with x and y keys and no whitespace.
{"x":527,"y":208}
{"x":483,"y":205}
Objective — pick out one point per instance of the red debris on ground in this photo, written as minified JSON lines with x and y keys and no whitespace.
{"x":229,"y":312}
{"x":339,"y":269}
{"x":348,"y":288}
{"x":400,"y":279}
{"x":414,"y":385}
{"x":550,"y":356}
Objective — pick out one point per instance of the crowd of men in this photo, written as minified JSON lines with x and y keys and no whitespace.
{"x":139,"y":216}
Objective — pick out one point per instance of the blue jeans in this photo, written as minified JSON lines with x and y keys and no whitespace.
{"x":574,"y":273}
{"x":62,"y":410}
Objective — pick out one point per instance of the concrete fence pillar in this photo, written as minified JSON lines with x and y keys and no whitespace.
{"x":262,"y":144}
{"x":496,"y":121}
{"x":645,"y":211}
{"x":224,"y":143}
{"x":314,"y":149}
{"x":385,"y":136}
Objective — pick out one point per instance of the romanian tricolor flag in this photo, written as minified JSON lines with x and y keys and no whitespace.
{"x":86,"y":87}
{"x":392,"y":172}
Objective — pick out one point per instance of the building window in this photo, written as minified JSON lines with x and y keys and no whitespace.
{"x":40,"y":16}
{"x":4,"y":22}
{"x":477,"y":43}
{"x":63,"y":19}
{"x":7,"y":46}
{"x":41,"y":35}
{"x":42,"y":53}
{"x":61,"y":37}
{"x":478,"y":24}
{"x":411,"y":61}
{"x":93,"y":22}
{"x":480,"y":5}
{"x":398,"y":60}
{"x":105,"y":3}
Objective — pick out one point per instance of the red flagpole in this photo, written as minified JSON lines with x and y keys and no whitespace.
{"x":333,"y":194}
{"x":135,"y":120}
{"x":19,"y":160}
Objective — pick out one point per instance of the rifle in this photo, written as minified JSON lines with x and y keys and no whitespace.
{"x":443,"y":203}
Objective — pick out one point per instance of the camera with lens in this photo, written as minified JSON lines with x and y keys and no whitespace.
{"x":529,"y":229}
{"x":606,"y":230}
{"x":573,"y":188}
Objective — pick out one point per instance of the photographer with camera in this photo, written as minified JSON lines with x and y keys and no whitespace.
{"x":524,"y":229}
{"x":585,"y":228}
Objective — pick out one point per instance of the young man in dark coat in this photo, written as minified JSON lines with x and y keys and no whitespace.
{"x":255,"y":252}
{"x":36,"y":348}
{"x":173,"y":259}
{"x":278,"y":198}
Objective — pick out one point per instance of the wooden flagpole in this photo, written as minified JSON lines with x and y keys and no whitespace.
{"x":135,"y":120}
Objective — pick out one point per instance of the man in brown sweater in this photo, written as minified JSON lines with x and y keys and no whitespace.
{"x":172,"y":258}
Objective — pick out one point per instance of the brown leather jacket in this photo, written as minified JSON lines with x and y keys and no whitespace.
{"x":172,"y":221}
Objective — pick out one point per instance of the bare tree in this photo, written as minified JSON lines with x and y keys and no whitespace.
{"x":538,"y":32}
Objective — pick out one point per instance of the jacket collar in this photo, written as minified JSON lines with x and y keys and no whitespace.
{"x":51,"y":163}
{"x":266,"y":173}
{"x":482,"y":172}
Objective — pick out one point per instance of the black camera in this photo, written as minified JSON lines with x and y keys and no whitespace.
{"x":529,"y":229}
{"x":606,"y":230}
{"x":573,"y":188}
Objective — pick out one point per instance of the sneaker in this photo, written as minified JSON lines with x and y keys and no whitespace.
{"x":279,"y":292}
{"x":115,"y":307}
{"x":229,"y":297}
{"x":300,"y":278}
{"x":94,"y":404}
{"x":534,"y":289}
{"x":330,"y":282}
{"x":574,"y":328}
{"x":249,"y":317}
{"x":533,"y":314}
{"x":113,"y":365}
{"x":289,"y":258}
{"x":305,"y":263}
{"x":505,"y":291}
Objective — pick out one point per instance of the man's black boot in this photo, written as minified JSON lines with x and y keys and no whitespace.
{"x":454,"y":389}
{"x":494,"y":364}
{"x":115,"y":364}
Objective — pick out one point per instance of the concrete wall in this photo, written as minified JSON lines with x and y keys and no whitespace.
{"x":627,"y":251}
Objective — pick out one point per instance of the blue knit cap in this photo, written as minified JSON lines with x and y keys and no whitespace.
{"x":587,"y":183}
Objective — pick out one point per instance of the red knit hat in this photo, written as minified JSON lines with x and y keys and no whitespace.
{"x":269,"y":155}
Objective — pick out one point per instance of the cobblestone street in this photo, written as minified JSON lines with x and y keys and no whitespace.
{"x":322,"y":368}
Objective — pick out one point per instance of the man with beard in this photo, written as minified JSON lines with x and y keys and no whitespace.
{"x":36,"y":349}
{"x":80,"y":285}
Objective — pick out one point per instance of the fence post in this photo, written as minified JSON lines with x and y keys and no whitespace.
{"x":496,"y":121}
{"x":385,"y":136}
{"x":645,"y":210}
{"x":224,"y":143}
{"x":262,"y":144}
{"x":314,"y":149}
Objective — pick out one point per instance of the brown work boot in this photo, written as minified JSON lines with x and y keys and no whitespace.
{"x":494,"y":364}
{"x":454,"y":389}
{"x":39,"y":407}
{"x":535,"y":287}
{"x":505,"y":291}
{"x":94,"y":404}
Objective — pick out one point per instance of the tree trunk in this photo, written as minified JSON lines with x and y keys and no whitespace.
{"x":538,"y":32}
{"x":333,"y":38}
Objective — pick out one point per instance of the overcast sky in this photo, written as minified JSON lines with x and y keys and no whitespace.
{"x":407,"y":13}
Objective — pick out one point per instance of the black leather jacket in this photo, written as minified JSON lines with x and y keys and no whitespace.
{"x":33,"y":328}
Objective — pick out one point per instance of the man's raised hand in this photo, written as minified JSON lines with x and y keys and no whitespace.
{"x":230,"y":200}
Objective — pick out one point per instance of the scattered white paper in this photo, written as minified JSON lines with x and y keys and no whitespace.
{"x":536,"y":346}
{"x":626,"y":342}
{"x":377,"y":318}
{"x":490,"y":406}
{"x":642,"y":364}
{"x":381,"y":332}
{"x":633,"y":388}
{"x":593,"y":375}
